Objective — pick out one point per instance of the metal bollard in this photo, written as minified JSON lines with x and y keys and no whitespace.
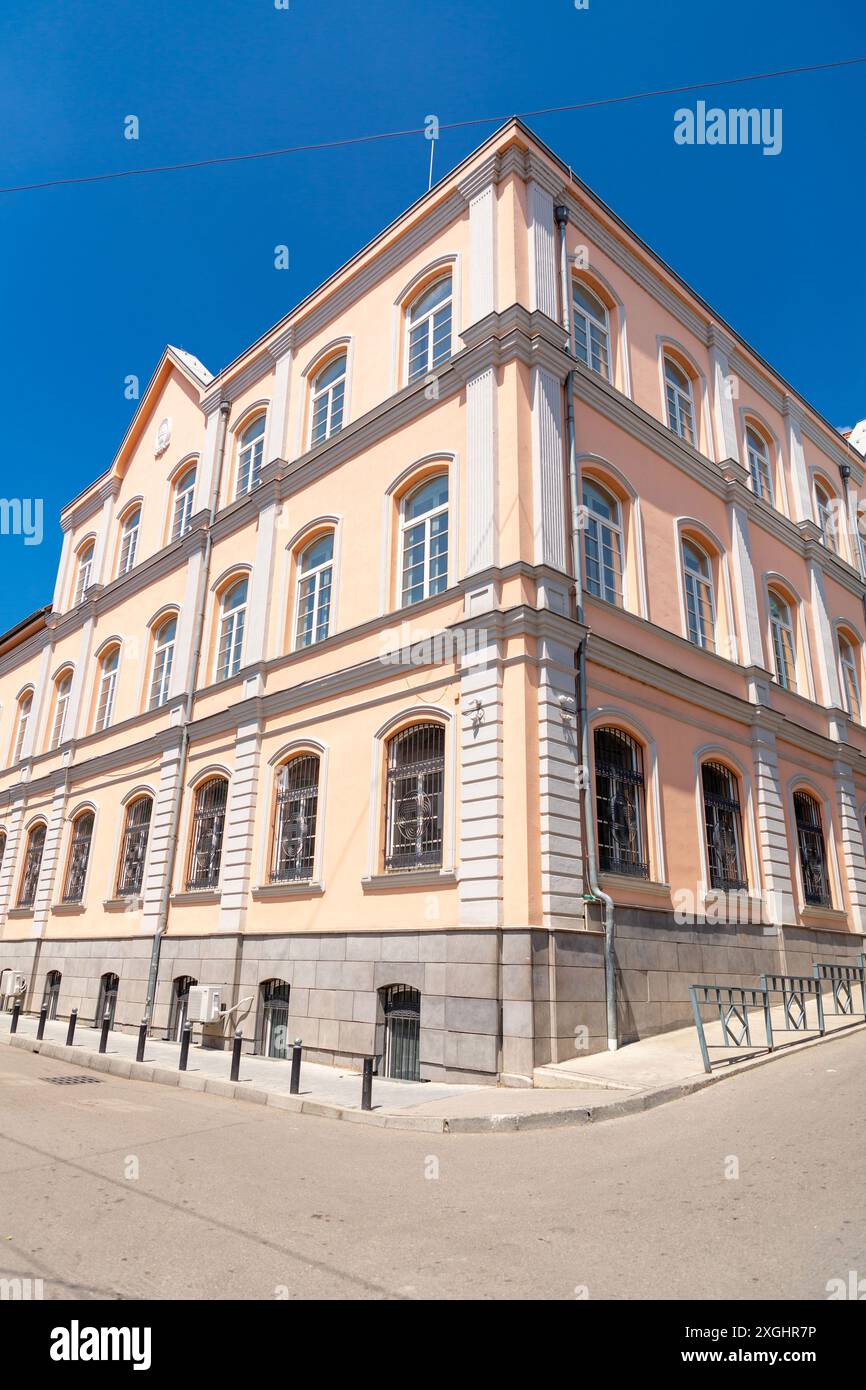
{"x":40,"y":1028}
{"x":184,"y":1046}
{"x":103,"y":1037}
{"x":70,"y":1032}
{"x":142,"y":1039}
{"x":236,"y":1054}
{"x":295,"y":1083}
{"x":16,"y":1014}
{"x":367,"y":1085}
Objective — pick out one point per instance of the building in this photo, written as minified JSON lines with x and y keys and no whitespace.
{"x":320,"y":714}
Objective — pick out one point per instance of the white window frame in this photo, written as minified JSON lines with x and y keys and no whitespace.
{"x":327,"y":393}
{"x":85,"y":571}
{"x":407,"y":524}
{"x":760,"y":467}
{"x":615,"y":528}
{"x":428,"y":321}
{"x":692,"y":581}
{"x":591,"y":322}
{"x":850,"y":665}
{"x":232,"y":626}
{"x":62,"y":693}
{"x":250,"y":454}
{"x":161,"y":666}
{"x":107,"y":689}
{"x":778,"y":628}
{"x":129,"y":540}
{"x":184,"y":494}
{"x":681,"y":399}
{"x":25,"y":710}
{"x":824,"y":513}
{"x":317,"y":575}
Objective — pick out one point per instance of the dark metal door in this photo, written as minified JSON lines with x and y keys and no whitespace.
{"x":402,"y":1007}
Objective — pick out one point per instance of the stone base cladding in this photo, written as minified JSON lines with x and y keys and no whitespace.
{"x":550,"y":984}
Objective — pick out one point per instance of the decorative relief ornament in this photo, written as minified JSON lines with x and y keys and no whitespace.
{"x":163,"y":437}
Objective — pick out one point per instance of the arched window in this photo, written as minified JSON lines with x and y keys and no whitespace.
{"x":429,"y":329}
{"x":784,"y":649}
{"x":700,"y":603}
{"x":179,"y":1006}
{"x":231,"y":638}
{"x":133,"y":849}
{"x":415,"y":798}
{"x":603,"y":548}
{"x":724,"y":828}
{"x":163,"y":658}
{"x":62,"y":691}
{"x":107,"y":688}
{"x":401,"y":1017}
{"x":25,"y":705}
{"x":296,"y":809}
{"x":591,"y":331}
{"x":79,"y":857}
{"x":251,"y":447}
{"x":825,"y":505}
{"x":315,"y":578}
{"x":678,"y":397}
{"x":184,"y":494}
{"x":328,"y":400}
{"x":849,"y":661}
{"x":85,"y":572}
{"x":620,"y":803}
{"x":206,"y":838}
{"x":813,"y":851}
{"x":129,"y":541}
{"x":106,"y":1002}
{"x":32,"y":865}
{"x":759,"y":464}
{"x":424,"y":541}
{"x":51,"y":995}
{"x":274,"y":1018}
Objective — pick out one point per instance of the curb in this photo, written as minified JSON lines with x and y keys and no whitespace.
{"x":424,"y":1124}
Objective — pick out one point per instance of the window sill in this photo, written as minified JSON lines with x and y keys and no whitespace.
{"x":122,"y":904}
{"x":408,"y":878}
{"x":192,"y":895}
{"x":831,"y":916}
{"x":20,"y":912}
{"x":277,"y":892}
{"x":634,"y":882}
{"x":68,"y":909}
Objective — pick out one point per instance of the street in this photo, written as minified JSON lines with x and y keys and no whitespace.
{"x":120,"y":1189}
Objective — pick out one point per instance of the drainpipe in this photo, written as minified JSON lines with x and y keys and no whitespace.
{"x":197,"y":638}
{"x":593,"y":892}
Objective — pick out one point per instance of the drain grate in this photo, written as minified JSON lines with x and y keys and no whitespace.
{"x":73,"y":1080}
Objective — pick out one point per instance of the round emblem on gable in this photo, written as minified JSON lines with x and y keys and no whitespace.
{"x":163,"y":436}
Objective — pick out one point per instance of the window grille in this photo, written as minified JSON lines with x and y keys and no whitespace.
{"x":416,"y":777}
{"x":134,"y":848}
{"x":206,"y":840}
{"x":32,"y":866}
{"x":401,"y":1006}
{"x":724,"y":828}
{"x":79,"y":854}
{"x":813,"y":851}
{"x":619,"y":793}
{"x":295,"y":820}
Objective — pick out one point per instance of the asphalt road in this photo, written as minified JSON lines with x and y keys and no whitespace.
{"x":127,"y":1190}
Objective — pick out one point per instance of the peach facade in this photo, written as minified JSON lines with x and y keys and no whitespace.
{"x":302,"y":721}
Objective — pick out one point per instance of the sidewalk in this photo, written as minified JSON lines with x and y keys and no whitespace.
{"x":585,"y":1090}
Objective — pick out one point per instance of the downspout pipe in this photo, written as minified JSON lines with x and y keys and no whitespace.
{"x":592,"y":889}
{"x":183,"y":747}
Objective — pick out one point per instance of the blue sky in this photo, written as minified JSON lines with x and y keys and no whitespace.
{"x":97,"y":278}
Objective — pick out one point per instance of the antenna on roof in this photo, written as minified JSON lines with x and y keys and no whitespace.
{"x":431,"y":133}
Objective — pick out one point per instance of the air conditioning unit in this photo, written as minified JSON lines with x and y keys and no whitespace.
{"x":204,"y":1004}
{"x":12,"y":982}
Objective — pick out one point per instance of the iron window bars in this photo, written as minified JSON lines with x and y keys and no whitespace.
{"x":813,"y":852}
{"x":401,"y":1005}
{"x":295,"y":816}
{"x":724,"y":828}
{"x":414,"y":808}
{"x":32,"y":866}
{"x":134,"y":848}
{"x":619,"y":797}
{"x":206,"y":840}
{"x":79,"y":855}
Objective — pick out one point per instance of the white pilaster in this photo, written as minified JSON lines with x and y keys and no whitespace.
{"x":745,"y":589}
{"x":559,"y":788}
{"x":482,"y":254}
{"x":61,"y":582}
{"x":101,"y":549}
{"x":542,"y":251}
{"x":238,"y":837}
{"x":832,"y":693}
{"x":772,"y":831}
{"x":724,"y":420}
{"x":50,"y":861}
{"x":802,"y":496}
{"x":261,"y":587}
{"x":481,"y":472}
{"x":13,"y":822}
{"x":481,"y":788}
{"x":205,"y":476}
{"x":160,"y":839}
{"x":548,"y":491}
{"x":851,"y":833}
{"x":278,"y":412}
{"x":75,"y":708}
{"x":181,"y":669}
